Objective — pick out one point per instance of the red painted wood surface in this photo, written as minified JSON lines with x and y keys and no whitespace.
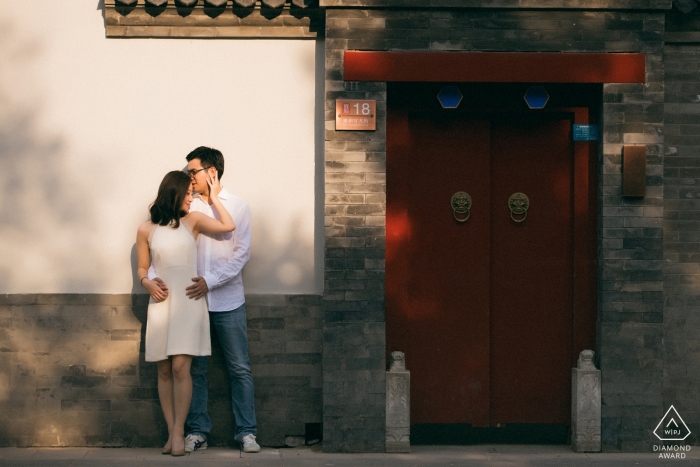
{"x":531,"y":272}
{"x":437,"y":288}
{"x":496,"y":67}
{"x":488,"y":312}
{"x":585,"y":239}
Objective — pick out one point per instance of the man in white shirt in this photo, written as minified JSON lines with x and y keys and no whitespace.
{"x":220,"y":261}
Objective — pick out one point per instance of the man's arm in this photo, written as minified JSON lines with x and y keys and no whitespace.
{"x":241,"y":254}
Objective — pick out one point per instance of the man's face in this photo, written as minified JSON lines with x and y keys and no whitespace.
{"x":199,"y":175}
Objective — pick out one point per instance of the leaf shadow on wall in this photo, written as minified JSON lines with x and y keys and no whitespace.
{"x":61,"y":353}
{"x":276,"y":267}
{"x":46,"y":211}
{"x":280,"y":267}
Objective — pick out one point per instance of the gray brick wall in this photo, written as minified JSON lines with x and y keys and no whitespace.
{"x":630,"y":262}
{"x":681,"y":383}
{"x":511,"y":4}
{"x":630,"y":329}
{"x":72,"y":371}
{"x":354,"y":337}
{"x":285,"y":341}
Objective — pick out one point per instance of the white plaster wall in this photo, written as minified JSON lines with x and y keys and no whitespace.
{"x":89,"y":126}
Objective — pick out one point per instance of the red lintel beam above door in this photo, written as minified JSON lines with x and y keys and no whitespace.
{"x":494,"y":67}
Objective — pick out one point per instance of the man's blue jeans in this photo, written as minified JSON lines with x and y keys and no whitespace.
{"x":231,"y":329}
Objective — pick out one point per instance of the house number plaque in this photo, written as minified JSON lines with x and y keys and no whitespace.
{"x":355,"y":114}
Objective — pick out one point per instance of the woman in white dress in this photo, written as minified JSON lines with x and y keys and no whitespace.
{"x":177,"y":327}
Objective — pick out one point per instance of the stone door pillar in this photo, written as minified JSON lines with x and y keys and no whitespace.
{"x":398,"y":405}
{"x":585,"y":405}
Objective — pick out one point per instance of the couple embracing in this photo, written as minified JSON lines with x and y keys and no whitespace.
{"x":190,"y":257}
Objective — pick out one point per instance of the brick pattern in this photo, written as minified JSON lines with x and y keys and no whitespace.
{"x":681,"y":385}
{"x":631,"y":283}
{"x":630,"y":330}
{"x":682,"y":27}
{"x":285,"y":335}
{"x":529,"y":4}
{"x":72,"y":371}
{"x":354,"y":366}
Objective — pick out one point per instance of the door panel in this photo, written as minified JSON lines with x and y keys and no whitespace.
{"x":437,"y":287}
{"x":531,"y":272}
{"x":482,"y":309}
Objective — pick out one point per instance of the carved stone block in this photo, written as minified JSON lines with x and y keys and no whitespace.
{"x":585,"y":405}
{"x":398,"y":405}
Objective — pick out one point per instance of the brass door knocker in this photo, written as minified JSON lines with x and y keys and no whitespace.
{"x":518,"y":203}
{"x":461,"y":203}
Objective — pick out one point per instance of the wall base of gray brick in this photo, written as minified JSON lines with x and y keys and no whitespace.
{"x":72,"y":371}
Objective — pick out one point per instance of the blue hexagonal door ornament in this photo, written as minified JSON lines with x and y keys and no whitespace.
{"x":536,"y":97}
{"x":449,"y":97}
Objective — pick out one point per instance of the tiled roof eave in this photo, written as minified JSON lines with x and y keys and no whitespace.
{"x":204,"y":19}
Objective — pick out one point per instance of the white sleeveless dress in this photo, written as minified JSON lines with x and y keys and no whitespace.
{"x":178,"y":325}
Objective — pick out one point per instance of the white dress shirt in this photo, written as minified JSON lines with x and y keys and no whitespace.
{"x":221,"y":257}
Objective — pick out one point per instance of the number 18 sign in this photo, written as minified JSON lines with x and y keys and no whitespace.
{"x":355,"y":114}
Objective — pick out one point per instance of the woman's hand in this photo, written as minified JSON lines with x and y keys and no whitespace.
{"x":214,"y":186}
{"x":157,"y":288}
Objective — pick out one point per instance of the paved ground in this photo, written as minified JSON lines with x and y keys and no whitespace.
{"x":431,"y":456}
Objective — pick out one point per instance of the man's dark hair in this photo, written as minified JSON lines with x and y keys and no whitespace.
{"x":209,"y":157}
{"x":167,"y":208}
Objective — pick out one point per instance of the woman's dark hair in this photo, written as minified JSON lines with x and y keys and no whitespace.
{"x":209,"y":157}
{"x":167,"y":208}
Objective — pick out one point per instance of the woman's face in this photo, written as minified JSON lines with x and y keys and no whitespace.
{"x":188,"y":200}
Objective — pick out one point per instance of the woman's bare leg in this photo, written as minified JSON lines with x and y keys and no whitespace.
{"x":182,"y":396}
{"x":165,"y":394}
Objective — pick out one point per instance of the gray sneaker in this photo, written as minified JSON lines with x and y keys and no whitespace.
{"x":248,"y":444}
{"x":194,"y":441}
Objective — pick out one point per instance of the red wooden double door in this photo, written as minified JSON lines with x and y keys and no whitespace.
{"x":484,"y":309}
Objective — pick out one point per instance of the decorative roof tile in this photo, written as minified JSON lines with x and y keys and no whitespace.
{"x":214,"y":18}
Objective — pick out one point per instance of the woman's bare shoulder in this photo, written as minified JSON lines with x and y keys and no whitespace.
{"x":146,"y":228}
{"x":190,"y":219}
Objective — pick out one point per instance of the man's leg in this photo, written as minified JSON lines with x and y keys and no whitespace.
{"x":231,"y":329}
{"x":198,"y":421}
